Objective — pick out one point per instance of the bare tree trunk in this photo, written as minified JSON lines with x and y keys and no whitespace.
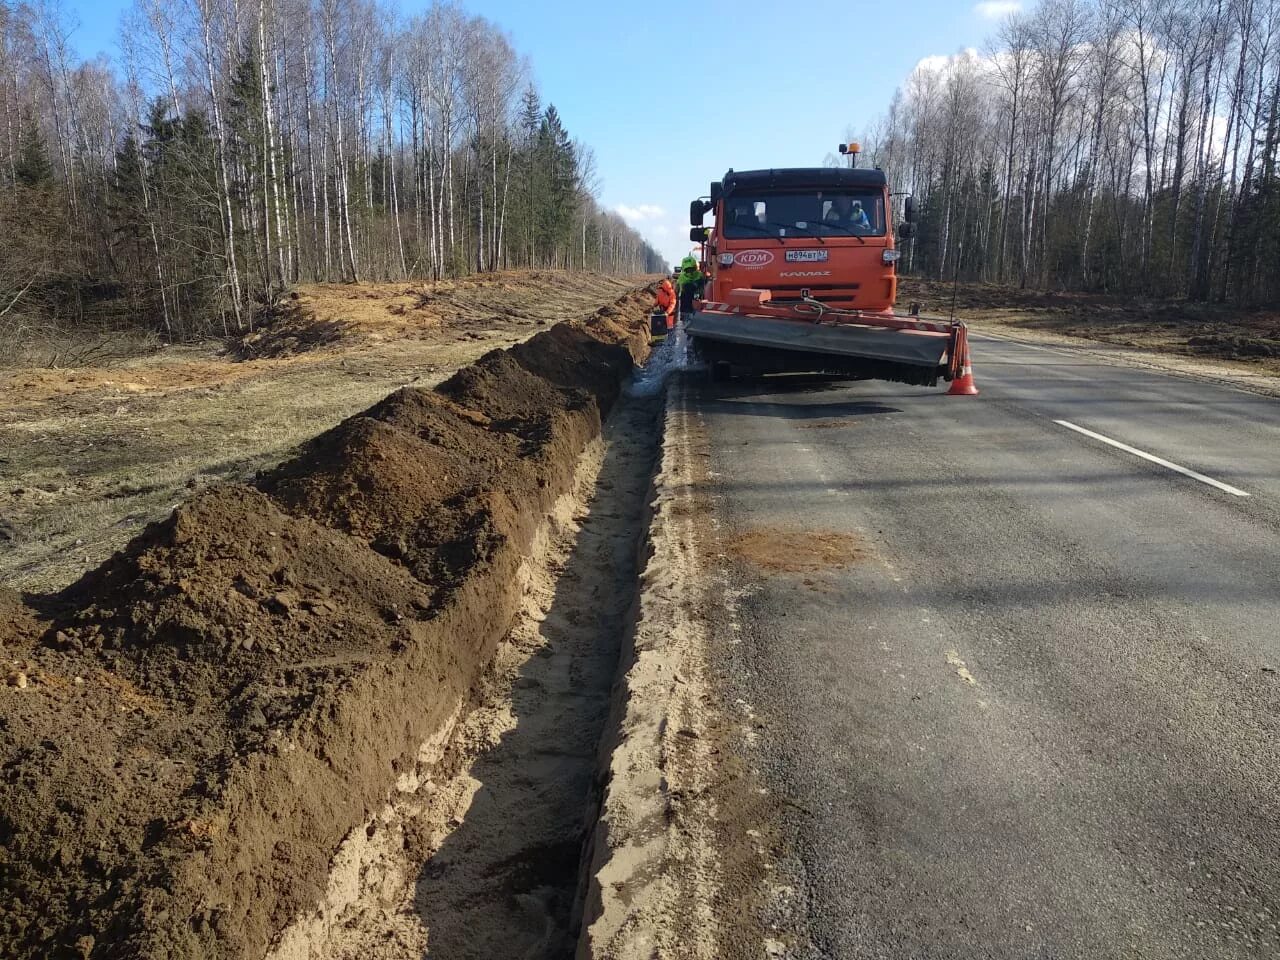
{"x":268,"y":120}
{"x":339,"y":148}
{"x":1198,"y":280}
{"x":228,"y":223}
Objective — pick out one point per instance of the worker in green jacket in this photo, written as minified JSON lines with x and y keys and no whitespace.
{"x":689,"y":283}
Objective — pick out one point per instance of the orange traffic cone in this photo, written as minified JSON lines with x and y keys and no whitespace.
{"x":963,"y":385}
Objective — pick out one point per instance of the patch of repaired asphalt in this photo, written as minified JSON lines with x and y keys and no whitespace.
{"x":797,"y":551}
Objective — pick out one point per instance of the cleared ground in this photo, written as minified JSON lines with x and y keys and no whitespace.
{"x":89,"y":455}
{"x":1201,"y":339}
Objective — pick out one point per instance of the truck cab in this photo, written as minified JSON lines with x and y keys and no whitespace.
{"x":802,"y":279}
{"x":815,"y":233}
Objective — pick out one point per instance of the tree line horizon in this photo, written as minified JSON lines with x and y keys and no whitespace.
{"x":242,"y":146}
{"x":1115,"y":146}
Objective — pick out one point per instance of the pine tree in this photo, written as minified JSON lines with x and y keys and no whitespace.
{"x":559,"y":202}
{"x":32,"y":167}
{"x":530,"y":122}
{"x":530,"y":113}
{"x":127,"y":202}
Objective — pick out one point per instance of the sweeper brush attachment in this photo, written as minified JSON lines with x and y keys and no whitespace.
{"x":756,"y":335}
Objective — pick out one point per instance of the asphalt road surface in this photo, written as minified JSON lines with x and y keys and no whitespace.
{"x":1035,"y":713}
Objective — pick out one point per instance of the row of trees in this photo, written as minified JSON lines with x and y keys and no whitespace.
{"x":241,"y":146}
{"x":1120,"y":145}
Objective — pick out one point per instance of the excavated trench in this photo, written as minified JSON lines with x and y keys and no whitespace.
{"x":479,"y":851}
{"x":353,"y":709}
{"x":487,"y":846}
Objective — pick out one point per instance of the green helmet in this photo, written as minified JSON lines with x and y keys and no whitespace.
{"x":688,"y":263}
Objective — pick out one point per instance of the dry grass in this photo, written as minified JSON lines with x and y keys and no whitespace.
{"x":89,"y":455}
{"x":1196,"y":337}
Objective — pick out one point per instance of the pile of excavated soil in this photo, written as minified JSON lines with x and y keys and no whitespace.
{"x":477,"y":855}
{"x":189,"y":731}
{"x":288,"y":330}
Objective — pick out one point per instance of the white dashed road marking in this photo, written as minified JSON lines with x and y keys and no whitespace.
{"x":1224,"y":487}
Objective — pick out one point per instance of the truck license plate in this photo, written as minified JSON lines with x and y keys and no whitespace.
{"x":806,"y":256}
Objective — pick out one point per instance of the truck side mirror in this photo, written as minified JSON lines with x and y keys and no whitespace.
{"x":698,"y":234}
{"x":906,"y":231}
{"x":717,"y":190}
{"x":909,"y":210}
{"x":696,"y":210}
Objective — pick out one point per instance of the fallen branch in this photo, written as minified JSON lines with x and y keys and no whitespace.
{"x":14,"y":302}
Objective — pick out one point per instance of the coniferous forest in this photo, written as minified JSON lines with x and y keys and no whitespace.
{"x":240,"y":146}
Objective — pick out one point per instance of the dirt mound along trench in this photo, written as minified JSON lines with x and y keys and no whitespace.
{"x":204,"y":718}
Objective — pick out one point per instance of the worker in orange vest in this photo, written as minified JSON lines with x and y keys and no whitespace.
{"x":666,"y":297}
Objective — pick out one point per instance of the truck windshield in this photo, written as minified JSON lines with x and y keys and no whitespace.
{"x":832,"y":213}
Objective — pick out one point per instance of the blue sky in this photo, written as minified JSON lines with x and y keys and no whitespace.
{"x":671,"y":95}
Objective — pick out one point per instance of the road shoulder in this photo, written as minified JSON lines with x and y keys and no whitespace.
{"x":677,"y":857}
{"x":1223,"y":372}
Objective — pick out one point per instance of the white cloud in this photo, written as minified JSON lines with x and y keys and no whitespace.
{"x":639,"y":213}
{"x":996,"y":9}
{"x":939,"y":66}
{"x":935,"y":64}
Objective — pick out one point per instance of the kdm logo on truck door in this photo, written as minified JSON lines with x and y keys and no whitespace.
{"x":753,"y":258}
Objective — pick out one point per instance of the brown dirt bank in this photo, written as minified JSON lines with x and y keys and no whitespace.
{"x":91,"y":454}
{"x":189,"y":731}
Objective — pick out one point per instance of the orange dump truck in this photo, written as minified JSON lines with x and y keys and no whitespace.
{"x":803,"y":277}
